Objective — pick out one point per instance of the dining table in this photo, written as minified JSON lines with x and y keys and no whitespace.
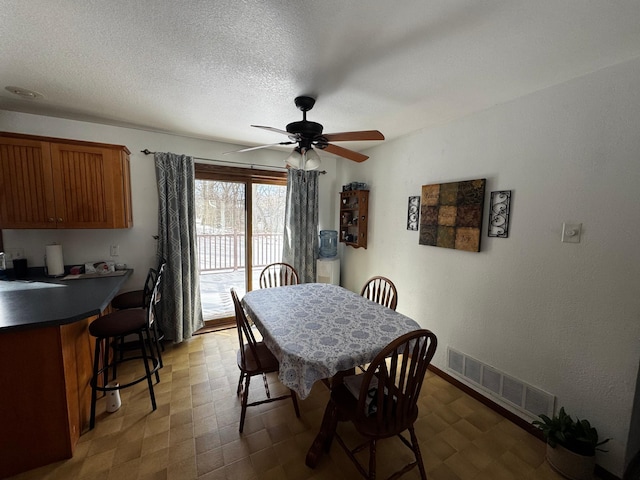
{"x":321,"y":332}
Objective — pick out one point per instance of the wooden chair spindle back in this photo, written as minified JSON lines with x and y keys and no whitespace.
{"x":278,"y":275}
{"x":381,"y":290}
{"x":245,"y":334}
{"x":399,"y":370}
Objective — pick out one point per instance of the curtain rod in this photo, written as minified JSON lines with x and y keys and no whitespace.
{"x":146,"y":151}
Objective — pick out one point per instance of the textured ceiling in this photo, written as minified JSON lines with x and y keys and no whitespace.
{"x":210,"y":69}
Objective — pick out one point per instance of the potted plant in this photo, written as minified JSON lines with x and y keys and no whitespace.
{"x":571,"y":445}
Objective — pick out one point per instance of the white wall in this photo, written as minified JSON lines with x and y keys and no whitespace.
{"x":563,"y":317}
{"x":137,"y":246}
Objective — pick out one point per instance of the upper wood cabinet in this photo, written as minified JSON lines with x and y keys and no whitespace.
{"x":56,"y":183}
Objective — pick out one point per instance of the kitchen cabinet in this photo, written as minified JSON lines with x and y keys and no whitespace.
{"x":57,"y":183}
{"x":354,"y":217}
{"x":46,"y":353}
{"x":51,"y":368}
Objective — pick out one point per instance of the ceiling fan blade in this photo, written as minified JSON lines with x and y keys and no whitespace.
{"x":258,"y":147}
{"x":354,"y":136}
{"x":343,"y":152}
{"x":274,"y":129}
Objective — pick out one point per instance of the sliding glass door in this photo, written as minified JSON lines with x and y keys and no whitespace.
{"x":267,"y":226}
{"x":240,"y":222}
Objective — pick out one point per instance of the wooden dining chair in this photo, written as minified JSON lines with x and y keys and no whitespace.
{"x":254,"y":358}
{"x":385,"y":402}
{"x":277,"y":275}
{"x":381,"y":290}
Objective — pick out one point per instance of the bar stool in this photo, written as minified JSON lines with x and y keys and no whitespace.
{"x":152,"y":305}
{"x":141,"y":299}
{"x":117,"y":325}
{"x":137,"y":298}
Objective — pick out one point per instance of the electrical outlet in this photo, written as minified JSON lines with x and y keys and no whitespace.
{"x":115,"y":250}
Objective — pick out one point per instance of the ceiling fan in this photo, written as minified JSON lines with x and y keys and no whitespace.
{"x":307,"y":135}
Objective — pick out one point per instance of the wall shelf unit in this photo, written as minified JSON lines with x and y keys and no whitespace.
{"x":354,"y":217}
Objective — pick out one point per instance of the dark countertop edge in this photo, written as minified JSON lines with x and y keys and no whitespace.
{"x":50,"y":323}
{"x":74,"y":318}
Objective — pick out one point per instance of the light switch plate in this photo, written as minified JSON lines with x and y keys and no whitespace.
{"x":571,"y":232}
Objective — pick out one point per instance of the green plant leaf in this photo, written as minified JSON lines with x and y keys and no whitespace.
{"x":578,"y":436}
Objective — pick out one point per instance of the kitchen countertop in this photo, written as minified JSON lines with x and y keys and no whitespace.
{"x":45,"y":302}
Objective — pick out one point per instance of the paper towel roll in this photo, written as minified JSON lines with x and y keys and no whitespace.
{"x":55,"y":264}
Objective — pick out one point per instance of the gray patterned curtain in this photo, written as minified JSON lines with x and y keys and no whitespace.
{"x":301,"y":223}
{"x":177,"y":243}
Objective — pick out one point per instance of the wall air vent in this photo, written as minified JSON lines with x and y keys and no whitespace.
{"x":504,"y":388}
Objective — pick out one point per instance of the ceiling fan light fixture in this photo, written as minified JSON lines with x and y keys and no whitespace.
{"x":312,"y":160}
{"x":308,"y":134}
{"x":295,"y":159}
{"x":303,"y":159}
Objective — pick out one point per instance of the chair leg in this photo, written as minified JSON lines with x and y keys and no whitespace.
{"x":416,"y":452}
{"x":160,"y":338}
{"x":294,"y":397}
{"x":94,"y":383}
{"x":266,"y":385}
{"x":245,"y":400}
{"x":146,"y":359}
{"x":152,"y":353}
{"x":372,"y":460}
{"x":120,"y":351}
{"x":121,"y":347}
{"x":240,"y":384}
{"x":156,"y":338}
{"x":105,"y":364}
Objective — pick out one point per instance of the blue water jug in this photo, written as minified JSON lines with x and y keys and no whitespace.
{"x":328,"y":243}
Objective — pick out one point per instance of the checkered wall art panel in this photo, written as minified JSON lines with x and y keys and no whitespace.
{"x":451,"y":214}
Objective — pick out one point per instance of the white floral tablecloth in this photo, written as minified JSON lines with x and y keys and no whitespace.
{"x":316,"y":330}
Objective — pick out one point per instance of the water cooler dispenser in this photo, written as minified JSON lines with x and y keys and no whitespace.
{"x":328,"y":263}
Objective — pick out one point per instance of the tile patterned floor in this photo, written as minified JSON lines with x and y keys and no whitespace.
{"x":194,"y":432}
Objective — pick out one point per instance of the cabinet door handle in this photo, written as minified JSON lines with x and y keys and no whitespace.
{"x":51,"y":219}
{"x":59,"y":219}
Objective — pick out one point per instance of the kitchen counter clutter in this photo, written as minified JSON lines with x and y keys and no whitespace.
{"x":46,"y":359}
